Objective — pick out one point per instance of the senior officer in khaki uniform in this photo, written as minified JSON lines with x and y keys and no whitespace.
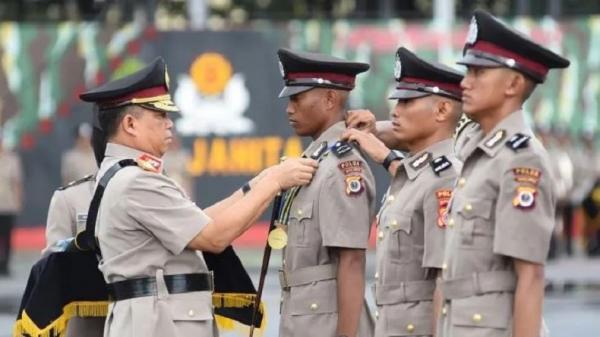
{"x":328,"y":221}
{"x":502,"y":210}
{"x":411,"y":220}
{"x":148,"y":230}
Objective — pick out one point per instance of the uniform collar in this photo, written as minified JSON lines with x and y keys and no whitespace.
{"x":331,"y":135}
{"x":415,"y":164}
{"x":510,"y":125}
{"x":119,"y":151}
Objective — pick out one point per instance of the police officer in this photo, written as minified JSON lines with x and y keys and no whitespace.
{"x":148,"y":230}
{"x":411,"y":221}
{"x":502,"y":210}
{"x":326,"y":224}
{"x":11,"y":192}
{"x":79,"y":161}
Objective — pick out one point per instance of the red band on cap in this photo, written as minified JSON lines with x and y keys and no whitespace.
{"x":333,"y":77}
{"x":529,"y":64}
{"x":144,"y":93}
{"x":454,"y":88}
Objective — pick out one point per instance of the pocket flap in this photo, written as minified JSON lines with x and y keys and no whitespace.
{"x":489,"y":311}
{"x":196,"y":306}
{"x":414,"y":321}
{"x":315,"y":298}
{"x":399,"y":221}
{"x":303,"y":211}
{"x":475,"y":208}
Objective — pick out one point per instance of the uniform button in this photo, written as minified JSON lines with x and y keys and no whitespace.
{"x":462,"y":182}
{"x":191,"y":313}
{"x":314,"y":306}
{"x":477,"y":318}
{"x":299,"y":212}
{"x":376,"y":314}
{"x":391,"y":198}
{"x":410,"y":328}
{"x":444,"y":266}
{"x":468,"y":207}
{"x":394,"y":222}
{"x":444,"y":310}
{"x":377,"y":276}
{"x":283,"y":263}
{"x":380,"y":235}
{"x":451,"y":222}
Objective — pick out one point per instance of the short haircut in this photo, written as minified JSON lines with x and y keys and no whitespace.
{"x":111,"y":118}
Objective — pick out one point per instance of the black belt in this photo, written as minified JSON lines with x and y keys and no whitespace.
{"x":176,"y":284}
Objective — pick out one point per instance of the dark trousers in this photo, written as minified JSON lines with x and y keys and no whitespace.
{"x":568,"y":228}
{"x":7,"y":222}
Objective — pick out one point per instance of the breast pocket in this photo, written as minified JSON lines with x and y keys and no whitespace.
{"x":476,"y":228}
{"x":301,"y":217}
{"x":399,"y":240}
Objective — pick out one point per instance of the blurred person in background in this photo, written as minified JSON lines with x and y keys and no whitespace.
{"x":11,"y":194}
{"x":175,"y":163}
{"x":79,"y":161}
{"x":589,"y":187}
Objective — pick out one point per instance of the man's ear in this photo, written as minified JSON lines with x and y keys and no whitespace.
{"x":442,"y":109}
{"x":129,"y":124}
{"x":331,"y":98}
{"x":516,"y":84}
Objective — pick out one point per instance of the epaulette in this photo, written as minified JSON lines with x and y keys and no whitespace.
{"x":440,"y":164}
{"x":518,"y":141}
{"x":149,"y":163}
{"x":341,"y":148}
{"x":77,"y":182}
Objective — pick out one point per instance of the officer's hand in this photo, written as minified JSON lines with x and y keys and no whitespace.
{"x":361,"y":119}
{"x":294,"y":172}
{"x":375,"y":148}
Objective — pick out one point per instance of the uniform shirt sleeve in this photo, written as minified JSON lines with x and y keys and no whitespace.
{"x":525,"y":209}
{"x":162,"y":208}
{"x":345,"y":214}
{"x":60,"y":221}
{"x":435,"y":208}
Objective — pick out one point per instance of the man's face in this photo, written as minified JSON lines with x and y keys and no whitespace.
{"x":413,"y":119}
{"x":305,"y":112}
{"x":154,"y":131}
{"x":483,"y":90}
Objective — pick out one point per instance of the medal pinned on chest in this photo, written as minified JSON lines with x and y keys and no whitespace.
{"x":278,"y":237}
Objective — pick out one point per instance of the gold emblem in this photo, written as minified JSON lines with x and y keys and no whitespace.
{"x":211,"y":72}
{"x":277,"y":238}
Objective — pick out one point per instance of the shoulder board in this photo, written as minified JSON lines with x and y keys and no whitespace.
{"x":462,"y":125}
{"x":341,"y":148}
{"x":440,"y":164}
{"x":518,"y":141}
{"x":77,"y":182}
{"x":149,"y":163}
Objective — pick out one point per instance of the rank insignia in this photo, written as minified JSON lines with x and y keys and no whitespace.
{"x":525,"y":197}
{"x":495,"y":138}
{"x":149,"y":163}
{"x":518,"y":141}
{"x":354,"y":185}
{"x":440,"y":164}
{"x":421,"y":161}
{"x":341,"y":148}
{"x":527,"y":175}
{"x":443,"y":197}
{"x":351,"y":167}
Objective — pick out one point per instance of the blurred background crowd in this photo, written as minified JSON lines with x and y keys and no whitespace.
{"x":225,"y":79}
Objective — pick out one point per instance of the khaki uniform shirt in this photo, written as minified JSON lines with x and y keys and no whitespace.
{"x":144,"y":225}
{"x":10,"y":176}
{"x":77,"y":163}
{"x":334,"y":210}
{"x":68,"y":210}
{"x":502,"y":208}
{"x":410,"y":241}
{"x":175,"y":164}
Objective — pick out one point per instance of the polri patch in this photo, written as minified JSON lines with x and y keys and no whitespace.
{"x":443,"y":197}
{"x":351,"y":167}
{"x":527,"y":175}
{"x":354,"y":185}
{"x":525,"y":197}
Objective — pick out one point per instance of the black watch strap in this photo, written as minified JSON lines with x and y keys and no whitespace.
{"x":393,"y":155}
{"x":246,"y":188}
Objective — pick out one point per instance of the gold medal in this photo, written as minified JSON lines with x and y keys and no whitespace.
{"x":277,"y":238}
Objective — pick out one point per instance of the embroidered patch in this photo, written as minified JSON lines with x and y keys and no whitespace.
{"x":440,"y":164}
{"x":518,"y":141}
{"x":341,"y":148}
{"x":525,"y":197}
{"x":354,"y":185}
{"x":421,"y":161}
{"x":149,"y":163}
{"x":443,"y":197}
{"x":351,"y":167}
{"x":527,"y":175}
{"x":495,"y":139}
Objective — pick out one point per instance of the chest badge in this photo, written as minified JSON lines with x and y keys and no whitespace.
{"x":525,"y":197}
{"x":354,"y":185}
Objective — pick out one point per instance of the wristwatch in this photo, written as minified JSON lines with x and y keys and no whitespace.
{"x":393,"y":155}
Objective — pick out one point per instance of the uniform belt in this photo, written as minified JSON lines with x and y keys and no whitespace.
{"x":403,"y":292}
{"x":307,"y":275}
{"x":479,"y":284}
{"x":176,"y":284}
